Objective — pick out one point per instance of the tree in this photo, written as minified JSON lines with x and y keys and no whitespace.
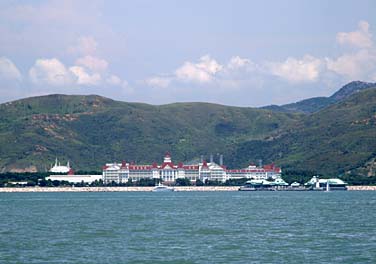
{"x":236,"y":182}
{"x":183,"y":182}
{"x":199,"y":182}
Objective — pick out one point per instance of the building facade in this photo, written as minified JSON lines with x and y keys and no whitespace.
{"x":257,"y":173}
{"x":170,"y":172}
{"x":72,"y":178}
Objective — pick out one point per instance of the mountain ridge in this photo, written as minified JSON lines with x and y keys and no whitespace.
{"x":311,"y":105}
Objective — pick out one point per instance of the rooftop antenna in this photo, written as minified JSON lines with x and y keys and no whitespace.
{"x":221,"y":160}
{"x":211,"y":158}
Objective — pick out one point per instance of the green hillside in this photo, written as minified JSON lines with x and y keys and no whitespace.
{"x":92,"y":130}
{"x":335,"y":140}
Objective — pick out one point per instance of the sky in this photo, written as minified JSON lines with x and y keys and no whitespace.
{"x":241,"y":53}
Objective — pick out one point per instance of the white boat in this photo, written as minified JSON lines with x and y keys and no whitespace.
{"x":162,"y":188}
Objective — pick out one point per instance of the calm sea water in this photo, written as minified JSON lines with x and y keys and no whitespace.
{"x":188,"y":227}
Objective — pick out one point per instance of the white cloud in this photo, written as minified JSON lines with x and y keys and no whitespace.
{"x":236,"y":62}
{"x":91,"y":73}
{"x":50,"y":71}
{"x":113,"y":80}
{"x":157,"y":81}
{"x":201,"y":72}
{"x":9,"y":71}
{"x":295,"y":70}
{"x":360,"y":65}
{"x":242,"y":72}
{"x":361,"y":38}
{"x":85,"y":78}
{"x":85,"y":45}
{"x":93,"y":63}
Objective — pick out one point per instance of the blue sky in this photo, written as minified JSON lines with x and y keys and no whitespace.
{"x":245,"y":53}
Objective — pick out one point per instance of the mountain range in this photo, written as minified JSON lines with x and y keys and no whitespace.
{"x":329,"y":135}
{"x":314,"y":104}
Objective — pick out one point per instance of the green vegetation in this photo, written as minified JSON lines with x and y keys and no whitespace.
{"x":331,"y":142}
{"x":91,"y":130}
{"x":236,"y":182}
{"x":302,"y":177}
{"x":359,"y":180}
{"x":338,"y":139}
{"x":183,"y":182}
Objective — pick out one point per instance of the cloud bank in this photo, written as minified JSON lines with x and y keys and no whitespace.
{"x":357,"y":64}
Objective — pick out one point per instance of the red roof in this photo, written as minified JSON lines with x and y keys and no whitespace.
{"x":272,"y":167}
{"x":190,"y":167}
{"x":140,"y":167}
{"x":164,"y":164}
{"x":204,"y":164}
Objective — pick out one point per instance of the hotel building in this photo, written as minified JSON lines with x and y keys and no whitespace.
{"x":169,"y":172}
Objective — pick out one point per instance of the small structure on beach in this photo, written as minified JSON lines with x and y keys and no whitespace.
{"x":295,"y":185}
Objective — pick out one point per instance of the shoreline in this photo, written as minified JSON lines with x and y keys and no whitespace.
{"x":118,"y":189}
{"x":144,"y":189}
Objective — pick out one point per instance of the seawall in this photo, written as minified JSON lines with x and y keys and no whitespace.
{"x":117,"y":189}
{"x":361,"y":188}
{"x":145,"y":189}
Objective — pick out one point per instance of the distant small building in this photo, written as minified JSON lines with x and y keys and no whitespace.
{"x":295,"y":184}
{"x":58,"y":168}
{"x":20,"y":183}
{"x":70,"y":175}
{"x":257,"y":173}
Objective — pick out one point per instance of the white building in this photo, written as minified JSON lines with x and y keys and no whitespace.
{"x":256,"y":173}
{"x":70,"y":176}
{"x":75,"y":178}
{"x":169,"y":172}
{"x":122,"y":172}
{"x":58,"y":168}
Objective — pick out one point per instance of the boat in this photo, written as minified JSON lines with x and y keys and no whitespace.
{"x":257,"y":185}
{"x":247,"y":188}
{"x":332,"y":184}
{"x":162,"y":188}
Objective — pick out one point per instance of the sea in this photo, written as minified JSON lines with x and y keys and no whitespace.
{"x":188,"y":227}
